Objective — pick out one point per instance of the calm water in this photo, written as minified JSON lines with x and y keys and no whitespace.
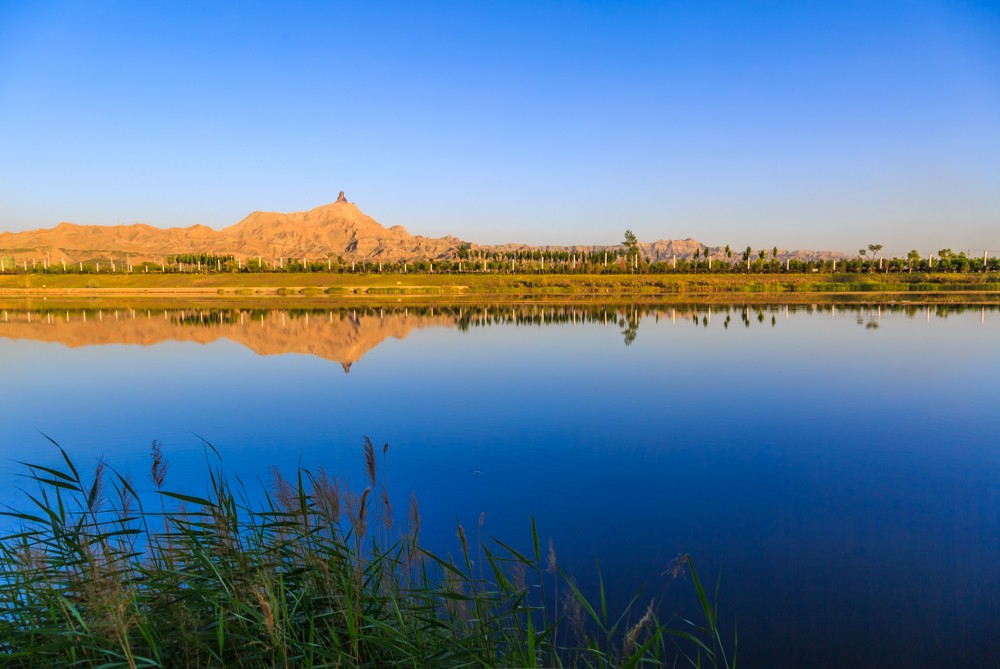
{"x":839,"y":466}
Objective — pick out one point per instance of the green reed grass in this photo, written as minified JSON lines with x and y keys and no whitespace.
{"x":313,"y":575}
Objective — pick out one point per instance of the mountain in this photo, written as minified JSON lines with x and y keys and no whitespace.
{"x":331,"y":230}
{"x":328,"y":231}
{"x":87,"y":242}
{"x":339,"y":228}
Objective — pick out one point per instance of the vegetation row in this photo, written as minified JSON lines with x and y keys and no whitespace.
{"x":310,"y":574}
{"x":438,"y":286}
{"x":627,"y":259}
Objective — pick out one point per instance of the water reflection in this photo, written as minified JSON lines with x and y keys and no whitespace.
{"x":841,"y":478}
{"x":346,"y":334}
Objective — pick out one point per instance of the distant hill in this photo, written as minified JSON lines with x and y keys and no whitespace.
{"x":328,"y":231}
{"x":335,"y":229}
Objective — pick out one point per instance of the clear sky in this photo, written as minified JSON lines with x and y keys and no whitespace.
{"x":802,"y":124}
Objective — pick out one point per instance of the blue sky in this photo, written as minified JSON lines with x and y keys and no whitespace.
{"x":801,"y":124}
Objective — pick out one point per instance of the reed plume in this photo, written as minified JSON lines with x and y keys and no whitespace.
{"x":461,"y":537}
{"x":369,"y":449}
{"x":266,"y":610}
{"x":361,"y":519}
{"x":232,"y":582}
{"x":675,"y":568}
{"x":125,"y":497}
{"x":158,"y":471}
{"x":632,"y":635}
{"x":413,"y":517}
{"x":96,"y":496}
{"x":573,"y":614}
{"x":550,"y":561}
{"x":327,"y":497}
{"x":283,"y":491}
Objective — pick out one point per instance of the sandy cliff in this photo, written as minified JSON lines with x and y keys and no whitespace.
{"x":328,"y":231}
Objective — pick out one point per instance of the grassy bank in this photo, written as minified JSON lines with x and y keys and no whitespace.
{"x":314,"y":576}
{"x":353,"y":285}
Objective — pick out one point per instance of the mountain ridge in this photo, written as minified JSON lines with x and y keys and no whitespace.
{"x":337,"y":229}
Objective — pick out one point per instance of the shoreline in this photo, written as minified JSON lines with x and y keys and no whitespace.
{"x":354,"y":287}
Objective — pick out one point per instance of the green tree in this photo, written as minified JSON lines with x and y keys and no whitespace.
{"x":870,"y":254}
{"x":631,"y":244}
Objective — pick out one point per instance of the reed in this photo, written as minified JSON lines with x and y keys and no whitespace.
{"x":91,"y":577}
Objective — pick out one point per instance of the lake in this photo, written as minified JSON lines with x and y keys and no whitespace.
{"x":836,"y":466}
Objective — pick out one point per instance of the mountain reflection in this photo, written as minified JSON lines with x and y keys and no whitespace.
{"x":346,"y":334}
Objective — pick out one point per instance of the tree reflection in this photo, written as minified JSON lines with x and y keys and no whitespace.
{"x":630,"y":326}
{"x":869,"y":318}
{"x":346,"y":333}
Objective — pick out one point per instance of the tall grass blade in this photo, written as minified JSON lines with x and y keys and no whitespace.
{"x":234,"y":579}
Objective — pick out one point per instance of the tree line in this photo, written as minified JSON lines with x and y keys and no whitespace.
{"x":624,"y":259}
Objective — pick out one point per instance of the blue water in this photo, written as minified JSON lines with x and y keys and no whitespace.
{"x":838,"y":467}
